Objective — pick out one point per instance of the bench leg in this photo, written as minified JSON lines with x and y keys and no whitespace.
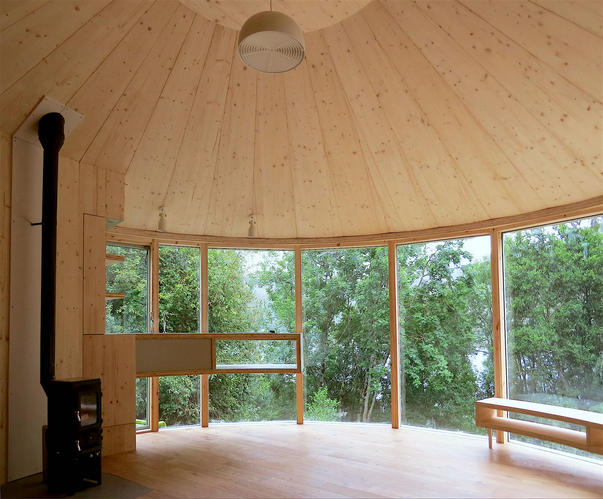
{"x":490,"y":438}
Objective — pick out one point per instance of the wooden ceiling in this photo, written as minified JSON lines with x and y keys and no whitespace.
{"x":404,"y":115}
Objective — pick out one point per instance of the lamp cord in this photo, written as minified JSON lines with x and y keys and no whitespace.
{"x":270,"y":5}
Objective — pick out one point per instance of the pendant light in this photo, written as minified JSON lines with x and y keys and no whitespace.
{"x":271,"y":42}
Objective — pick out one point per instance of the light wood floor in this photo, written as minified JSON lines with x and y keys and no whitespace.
{"x":345,"y":460}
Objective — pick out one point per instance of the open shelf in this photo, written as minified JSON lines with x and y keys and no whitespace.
{"x":111,"y":259}
{"x":114,"y":296}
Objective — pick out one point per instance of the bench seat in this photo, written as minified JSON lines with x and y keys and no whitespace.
{"x":591,"y":441}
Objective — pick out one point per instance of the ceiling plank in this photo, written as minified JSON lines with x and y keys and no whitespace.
{"x":12,"y":11}
{"x":99,"y":95}
{"x":588,"y":14}
{"x":571,"y":51}
{"x":231,"y":191}
{"x":28,"y":41}
{"x":314,"y":197}
{"x":543,"y":161}
{"x":572,"y":119}
{"x":188,"y":191}
{"x":274,"y":198}
{"x":148,"y":175}
{"x":358,"y":209}
{"x":63,"y":71}
{"x":114,"y":145}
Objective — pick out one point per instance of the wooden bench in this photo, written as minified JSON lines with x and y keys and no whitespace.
{"x":591,"y":441}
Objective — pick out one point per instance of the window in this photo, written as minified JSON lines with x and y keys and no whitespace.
{"x":251,"y":291}
{"x":445,"y":307}
{"x":127,"y":285}
{"x":554,"y":315}
{"x":179,"y":289}
{"x":143,"y":406}
{"x":346,"y":335}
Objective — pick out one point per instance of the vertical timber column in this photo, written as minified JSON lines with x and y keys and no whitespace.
{"x":394,"y":335}
{"x":154,"y":330}
{"x":498,"y":325}
{"x":204,"y":329}
{"x":299,"y":377}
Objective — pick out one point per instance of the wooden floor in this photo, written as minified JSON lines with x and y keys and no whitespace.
{"x":345,"y":460}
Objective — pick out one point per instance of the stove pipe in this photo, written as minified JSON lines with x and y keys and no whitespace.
{"x":51,"y":135}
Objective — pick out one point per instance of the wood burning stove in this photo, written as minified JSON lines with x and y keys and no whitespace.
{"x":73,"y":437}
{"x":74,"y":434}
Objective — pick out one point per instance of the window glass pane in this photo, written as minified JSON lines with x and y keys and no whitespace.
{"x":554,"y":316}
{"x":179,"y":400}
{"x":445,"y":311}
{"x":130,"y":279}
{"x":251,"y":291}
{"x":179,"y":270}
{"x":346,"y":335}
{"x":143,"y":413}
{"x":251,"y":397}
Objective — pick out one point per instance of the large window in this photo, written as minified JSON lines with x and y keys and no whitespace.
{"x":143,"y":405}
{"x":127,"y":284}
{"x":179,"y":289}
{"x":346,"y":335}
{"x":179,"y":312}
{"x":446,"y":331}
{"x":554,"y":315}
{"x":251,"y":291}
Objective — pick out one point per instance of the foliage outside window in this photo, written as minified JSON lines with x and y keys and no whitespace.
{"x":130,"y":277}
{"x":346,"y":335}
{"x":179,"y":312}
{"x":554,"y":316}
{"x":143,"y":406}
{"x":251,"y":291}
{"x":445,"y":319}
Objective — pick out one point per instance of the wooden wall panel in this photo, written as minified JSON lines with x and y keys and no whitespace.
{"x":69,"y":272}
{"x":119,"y":438}
{"x":114,"y":196}
{"x":66,"y":68}
{"x":94,"y":275}
{"x":112,"y":357}
{"x":5,"y":211}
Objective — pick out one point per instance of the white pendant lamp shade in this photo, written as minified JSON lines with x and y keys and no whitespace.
{"x":271,"y":42}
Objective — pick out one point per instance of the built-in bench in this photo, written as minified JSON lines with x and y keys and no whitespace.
{"x":591,"y":441}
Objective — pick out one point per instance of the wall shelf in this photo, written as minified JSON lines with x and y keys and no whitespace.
{"x":111,"y":259}
{"x":114,"y":296}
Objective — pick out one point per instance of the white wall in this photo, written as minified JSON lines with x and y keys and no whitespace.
{"x":27,"y":401}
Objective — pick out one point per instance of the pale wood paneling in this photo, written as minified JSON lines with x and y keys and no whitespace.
{"x":404,"y":116}
{"x":196,"y":163}
{"x":273,"y":194}
{"x":94,"y":275}
{"x":64,"y":70}
{"x":5,"y":212}
{"x":511,"y":126}
{"x":572,"y":52}
{"x":113,"y":359}
{"x":354,"y":194}
{"x":100,"y":93}
{"x":12,"y":11}
{"x":118,"y":439}
{"x":231,"y":198}
{"x":315,"y":211}
{"x":309,"y":14}
{"x":68,"y":345}
{"x":37,"y":34}
{"x":151,"y":168}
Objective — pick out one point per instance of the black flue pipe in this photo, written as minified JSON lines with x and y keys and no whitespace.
{"x":51,"y":135}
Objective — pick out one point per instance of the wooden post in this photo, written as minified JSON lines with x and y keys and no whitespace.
{"x":154,"y":403}
{"x":204,"y":329}
{"x":394,"y":340}
{"x":498,"y":325}
{"x":154,"y":249}
{"x":299,"y":377}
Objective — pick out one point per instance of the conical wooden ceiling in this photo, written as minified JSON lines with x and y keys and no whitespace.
{"x":404,"y":115}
